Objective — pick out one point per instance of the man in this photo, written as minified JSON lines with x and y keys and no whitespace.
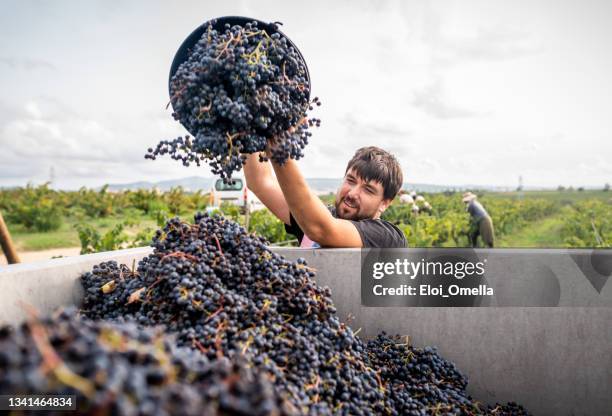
{"x":427,"y":208}
{"x":480,"y":224}
{"x":405,"y":198}
{"x":372,"y":179}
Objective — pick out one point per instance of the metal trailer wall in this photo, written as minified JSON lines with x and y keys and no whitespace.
{"x":553,"y":360}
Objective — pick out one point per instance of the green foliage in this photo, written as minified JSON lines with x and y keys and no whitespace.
{"x":432,"y":231}
{"x":328,"y":199}
{"x":177,"y":201}
{"x":95,"y":204}
{"x":449,"y":224}
{"x":41,"y":208}
{"x":93,"y":242}
{"x":145,"y":200}
{"x":161,"y":217}
{"x":35,"y":208}
{"x":143,"y":238}
{"x":230,"y":211}
{"x":199,"y":200}
{"x":588,"y":224}
{"x":265,"y":224}
{"x":398,"y":213}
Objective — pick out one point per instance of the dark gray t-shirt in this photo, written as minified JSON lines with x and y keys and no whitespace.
{"x":374,"y":233}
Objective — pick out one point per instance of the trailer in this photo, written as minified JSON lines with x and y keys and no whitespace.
{"x":555,"y":360}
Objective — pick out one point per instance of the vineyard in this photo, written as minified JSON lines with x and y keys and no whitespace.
{"x":448,"y":224}
{"x":100,"y":220}
{"x":41,"y":218}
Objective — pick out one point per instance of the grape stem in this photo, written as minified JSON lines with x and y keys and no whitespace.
{"x":181,"y":255}
{"x":226,"y":46}
{"x":176,"y":95}
{"x":51,"y":360}
{"x":204,"y":110}
{"x":218,"y":245}
{"x":215,"y":313}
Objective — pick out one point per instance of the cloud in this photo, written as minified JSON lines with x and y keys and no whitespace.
{"x":27,"y":64}
{"x":358,"y":126}
{"x":49,"y":132}
{"x":31,"y":139}
{"x":15,"y":169}
{"x":484,"y":44}
{"x":458,"y":37}
{"x":40,"y":107}
{"x":465,"y":164}
{"x":419,"y":167}
{"x":428,"y":163}
{"x":595,"y":166}
{"x":432,"y":101}
{"x":45,"y":133}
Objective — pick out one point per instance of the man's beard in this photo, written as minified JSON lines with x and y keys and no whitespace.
{"x":356,"y":216}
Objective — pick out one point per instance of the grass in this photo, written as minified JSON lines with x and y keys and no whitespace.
{"x":34,"y":241}
{"x":542,"y":233}
{"x":67,"y":236}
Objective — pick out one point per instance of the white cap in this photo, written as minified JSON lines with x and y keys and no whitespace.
{"x":468,"y":196}
{"x":406,"y":199}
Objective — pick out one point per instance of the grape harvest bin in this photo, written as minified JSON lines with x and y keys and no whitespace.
{"x":553,"y":360}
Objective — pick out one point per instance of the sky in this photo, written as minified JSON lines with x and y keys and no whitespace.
{"x":462,"y":92}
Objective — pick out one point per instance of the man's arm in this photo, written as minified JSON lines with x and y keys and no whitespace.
{"x":309,"y":211}
{"x":262,"y":183}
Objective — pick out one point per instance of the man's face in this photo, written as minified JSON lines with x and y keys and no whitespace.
{"x":357,"y":199}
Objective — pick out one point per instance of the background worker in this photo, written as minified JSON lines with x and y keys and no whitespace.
{"x":480,"y":222}
{"x":405,"y":198}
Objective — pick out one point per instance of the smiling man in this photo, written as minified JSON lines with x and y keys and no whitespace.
{"x":373,"y":177}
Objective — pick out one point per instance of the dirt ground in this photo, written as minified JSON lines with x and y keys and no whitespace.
{"x":33,"y":256}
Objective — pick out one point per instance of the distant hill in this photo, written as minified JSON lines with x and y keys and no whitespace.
{"x":319,"y":185}
{"x":192,"y":183}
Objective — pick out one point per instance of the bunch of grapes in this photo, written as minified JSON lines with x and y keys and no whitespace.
{"x":419,"y":380}
{"x":241,"y":90}
{"x":121,"y":369}
{"x":222,"y":292}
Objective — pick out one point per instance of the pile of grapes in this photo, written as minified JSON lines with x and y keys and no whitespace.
{"x":121,"y":369}
{"x":222,"y":293}
{"x":241,"y":90}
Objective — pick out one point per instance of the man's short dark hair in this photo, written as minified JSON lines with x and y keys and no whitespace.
{"x":374,"y":164}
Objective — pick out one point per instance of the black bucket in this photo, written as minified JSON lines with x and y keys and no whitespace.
{"x":218,"y":24}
